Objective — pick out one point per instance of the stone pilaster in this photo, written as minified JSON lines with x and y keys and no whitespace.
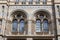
{"x":29,"y":24}
{"x":29,"y":27}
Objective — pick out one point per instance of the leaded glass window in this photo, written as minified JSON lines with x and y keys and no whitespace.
{"x":30,"y":1}
{"x":17,"y":1}
{"x":38,"y":27}
{"x":14,"y":25}
{"x":23,"y":1}
{"x":37,"y":1}
{"x":44,"y":1}
{"x":21,"y":26}
{"x":45,"y":25}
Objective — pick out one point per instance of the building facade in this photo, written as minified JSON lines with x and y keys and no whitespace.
{"x":29,"y":19}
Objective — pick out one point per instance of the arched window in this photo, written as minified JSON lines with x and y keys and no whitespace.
{"x":38,"y":25}
{"x":21,"y":27}
{"x":45,"y":25}
{"x":14,"y":25}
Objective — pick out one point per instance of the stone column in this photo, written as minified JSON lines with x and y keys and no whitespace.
{"x":3,"y":26}
{"x":29,"y":39}
{"x":34,"y":25}
{"x":29,"y":27}
{"x":29,"y":24}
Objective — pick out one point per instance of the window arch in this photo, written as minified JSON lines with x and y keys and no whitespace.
{"x":45,"y":25}
{"x":38,"y":25}
{"x":15,"y":25}
{"x":21,"y":25}
{"x":20,"y":17}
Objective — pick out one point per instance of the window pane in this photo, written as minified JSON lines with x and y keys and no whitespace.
{"x":21,"y":27}
{"x":17,"y":0}
{"x":44,"y":1}
{"x":38,"y":27}
{"x":14,"y":25}
{"x":37,"y":1}
{"x":30,"y":1}
{"x":45,"y":25}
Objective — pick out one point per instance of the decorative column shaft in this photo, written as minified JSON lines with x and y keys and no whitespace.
{"x":29,"y":27}
{"x":29,"y":24}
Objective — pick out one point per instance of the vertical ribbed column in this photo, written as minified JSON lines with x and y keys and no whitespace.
{"x":29,"y":24}
{"x":29,"y":27}
{"x":3,"y":20}
{"x":34,"y":26}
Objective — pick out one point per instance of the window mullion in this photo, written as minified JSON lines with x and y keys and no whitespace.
{"x":18,"y":26}
{"x":42,"y":26}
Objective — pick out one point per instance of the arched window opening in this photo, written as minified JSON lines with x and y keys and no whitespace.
{"x":14,"y":25}
{"x":21,"y":26}
{"x":38,"y":25}
{"x":45,"y":25}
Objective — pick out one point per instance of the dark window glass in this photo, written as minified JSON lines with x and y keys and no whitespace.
{"x":23,"y":1}
{"x":45,"y":25}
{"x":21,"y":27}
{"x":44,"y":1}
{"x":17,"y":1}
{"x":38,"y":27}
{"x":30,"y":1}
{"x":14,"y":25}
{"x":37,"y":1}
